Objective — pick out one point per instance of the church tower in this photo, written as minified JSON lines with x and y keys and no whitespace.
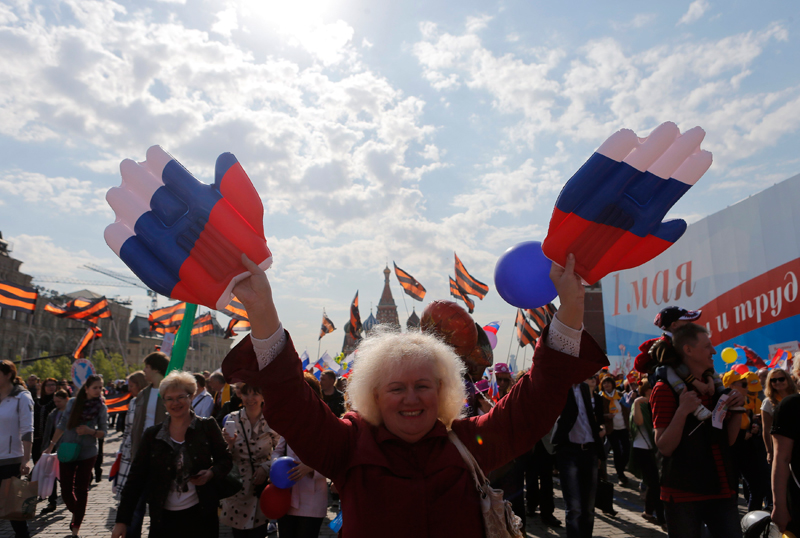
{"x":387,"y":310}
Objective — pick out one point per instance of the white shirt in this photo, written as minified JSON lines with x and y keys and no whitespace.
{"x":640,"y":441}
{"x":150,"y":415}
{"x":581,"y":431}
{"x":203,"y":404}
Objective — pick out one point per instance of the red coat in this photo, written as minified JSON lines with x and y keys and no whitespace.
{"x":391,"y":488}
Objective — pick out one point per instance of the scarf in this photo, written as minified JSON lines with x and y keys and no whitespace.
{"x":613,"y":401}
{"x":91,"y":408}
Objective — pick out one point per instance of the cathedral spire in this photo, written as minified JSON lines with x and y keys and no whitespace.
{"x":387,"y":309}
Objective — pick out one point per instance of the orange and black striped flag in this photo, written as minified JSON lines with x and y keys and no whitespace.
{"x":355,"y":319}
{"x":89,"y":310}
{"x":118,"y":404}
{"x":16,"y":297}
{"x":526,"y":333}
{"x":469,"y":285}
{"x":409,"y":284}
{"x":239,"y":324}
{"x":236,"y":310}
{"x":167,"y":319}
{"x":203,"y":324}
{"x":458,"y":293}
{"x":542,"y":316}
{"x":327,"y":325}
{"x":91,"y":333}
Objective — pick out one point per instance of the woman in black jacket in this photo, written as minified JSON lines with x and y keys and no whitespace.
{"x":180,"y":464}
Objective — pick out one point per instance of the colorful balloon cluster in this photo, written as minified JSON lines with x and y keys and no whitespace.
{"x":276,"y":498}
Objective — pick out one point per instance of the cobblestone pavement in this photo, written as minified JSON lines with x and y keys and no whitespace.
{"x":102,"y":511}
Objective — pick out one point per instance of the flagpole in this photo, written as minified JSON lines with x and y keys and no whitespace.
{"x":91,"y":348}
{"x":403,"y":295}
{"x":510,"y":343}
{"x":319,"y":345}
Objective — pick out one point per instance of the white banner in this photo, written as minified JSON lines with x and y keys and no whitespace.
{"x":740,"y":266}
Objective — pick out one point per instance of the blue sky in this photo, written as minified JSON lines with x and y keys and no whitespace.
{"x":376,"y":131}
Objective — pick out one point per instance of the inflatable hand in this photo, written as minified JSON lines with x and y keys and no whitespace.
{"x":182,"y":238}
{"x":609,"y":213}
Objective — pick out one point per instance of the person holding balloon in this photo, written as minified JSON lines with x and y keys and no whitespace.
{"x":251,"y":442}
{"x":309,"y":489}
{"x":392,"y":459}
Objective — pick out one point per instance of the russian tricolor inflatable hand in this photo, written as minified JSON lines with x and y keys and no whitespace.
{"x":183,"y":238}
{"x":609,"y":213}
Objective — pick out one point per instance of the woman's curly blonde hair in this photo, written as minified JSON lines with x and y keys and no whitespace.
{"x":381,"y":356}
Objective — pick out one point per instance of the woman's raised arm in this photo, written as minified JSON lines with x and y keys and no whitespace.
{"x":564,"y":355}
{"x":255,"y":294}
{"x":267,"y":359}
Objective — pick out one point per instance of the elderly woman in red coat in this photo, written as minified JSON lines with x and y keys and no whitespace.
{"x":391,"y":459}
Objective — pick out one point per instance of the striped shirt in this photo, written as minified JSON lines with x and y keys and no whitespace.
{"x":664,"y":405}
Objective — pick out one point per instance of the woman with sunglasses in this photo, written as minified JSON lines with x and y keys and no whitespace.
{"x":180,"y":465}
{"x":779,"y":385}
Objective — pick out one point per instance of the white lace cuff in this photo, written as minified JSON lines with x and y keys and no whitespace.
{"x":268,"y":348}
{"x":563,"y":338}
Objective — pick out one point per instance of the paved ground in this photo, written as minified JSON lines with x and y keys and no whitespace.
{"x":102,"y":510}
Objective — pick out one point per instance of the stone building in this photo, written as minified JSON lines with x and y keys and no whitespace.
{"x":44,"y":333}
{"x":21,"y":336}
{"x":387,"y":309}
{"x":206,"y":352}
{"x":369,"y":323}
{"x":593,"y":317}
{"x":412,"y":324}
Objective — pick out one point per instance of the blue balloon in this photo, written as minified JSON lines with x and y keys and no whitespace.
{"x":279,"y":472}
{"x":522,"y":276}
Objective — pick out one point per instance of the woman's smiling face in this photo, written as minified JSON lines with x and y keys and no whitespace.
{"x":409,"y":402}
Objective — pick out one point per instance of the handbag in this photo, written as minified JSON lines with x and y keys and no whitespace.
{"x":69,"y":452}
{"x":604,"y":498}
{"x":45,"y":473}
{"x":257,"y":488}
{"x":499,"y":520}
{"x":18,"y":499}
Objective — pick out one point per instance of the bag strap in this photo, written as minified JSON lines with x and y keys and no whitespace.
{"x":247,"y":443}
{"x":477,"y":473}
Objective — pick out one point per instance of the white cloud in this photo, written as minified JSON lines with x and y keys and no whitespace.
{"x":475,"y":24}
{"x":42,"y":256}
{"x":227,"y":21}
{"x":696,"y":10}
{"x":640,"y":20}
{"x":604,"y":87}
{"x":69,"y":195}
{"x":366,"y":43}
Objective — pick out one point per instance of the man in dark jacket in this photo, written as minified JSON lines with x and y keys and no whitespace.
{"x":577,"y":440}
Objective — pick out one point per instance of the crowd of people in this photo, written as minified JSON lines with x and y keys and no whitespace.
{"x":398,"y":444}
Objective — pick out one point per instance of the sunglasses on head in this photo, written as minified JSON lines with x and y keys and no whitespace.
{"x":777,"y":380}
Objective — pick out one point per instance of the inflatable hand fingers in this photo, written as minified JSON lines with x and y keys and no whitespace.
{"x":610,"y":213}
{"x":182,"y":238}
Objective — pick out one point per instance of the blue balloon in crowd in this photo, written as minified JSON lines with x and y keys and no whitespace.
{"x":522,"y":276}
{"x":279,"y":472}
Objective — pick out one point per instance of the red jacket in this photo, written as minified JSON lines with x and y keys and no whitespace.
{"x":391,"y":488}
